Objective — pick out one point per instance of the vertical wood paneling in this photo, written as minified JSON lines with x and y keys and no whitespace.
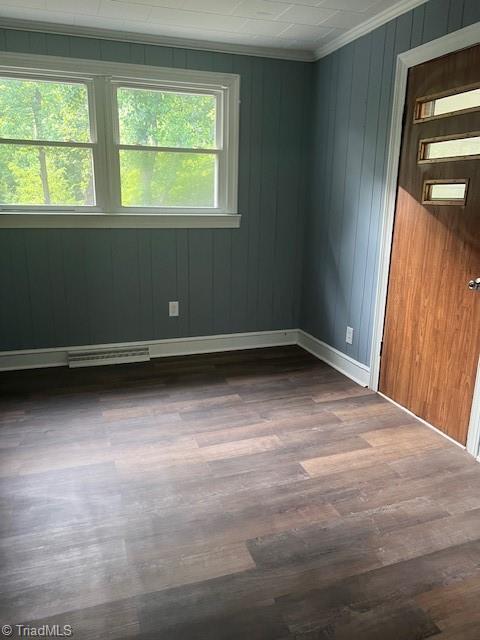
{"x":200,"y":276}
{"x":99,"y":285}
{"x":222,"y":276}
{"x":366,"y":228}
{"x":387,"y":79}
{"x":268,"y":191}
{"x":36,"y":250}
{"x":436,"y":19}
{"x":326,"y":191}
{"x":290,"y":152}
{"x":114,"y":285}
{"x":126,"y":292}
{"x":455,"y":15}
{"x":37,"y":43}
{"x":159,"y":56}
{"x":471,"y":12}
{"x":78,"y":312}
{"x":240,"y":247}
{"x":332,"y":267}
{"x":322,"y":113}
{"x":304,"y":198}
{"x":336,"y":216}
{"x":351,"y":189}
{"x":86,"y":48}
{"x":58,"y":45}
{"x":183,"y":281}
{"x":164,"y":281}
{"x":146,"y":322}
{"x":7,"y":290}
{"x":255,"y":163}
{"x":222,"y":250}
{"x":418,"y":19}
{"x":58,"y":287}
{"x":16,"y":308}
{"x":18,"y":41}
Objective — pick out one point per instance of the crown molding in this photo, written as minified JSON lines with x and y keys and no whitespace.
{"x":366,"y":27}
{"x":165,"y":41}
{"x":297,"y":55}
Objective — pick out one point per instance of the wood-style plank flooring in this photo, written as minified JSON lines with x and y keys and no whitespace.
{"x":256,"y":495}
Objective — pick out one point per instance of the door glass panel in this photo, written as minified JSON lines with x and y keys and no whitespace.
{"x":464,"y":101}
{"x":445,"y":192}
{"x":446,"y":149}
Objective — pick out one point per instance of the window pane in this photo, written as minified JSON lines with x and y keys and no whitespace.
{"x":37,"y":175}
{"x":450,"y":191}
{"x":167,"y":179}
{"x":37,"y":110}
{"x":450,"y":104}
{"x":452,"y":148}
{"x":445,"y":192}
{"x":166,"y":119}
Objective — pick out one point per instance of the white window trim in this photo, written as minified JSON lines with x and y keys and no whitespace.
{"x":110,"y":216}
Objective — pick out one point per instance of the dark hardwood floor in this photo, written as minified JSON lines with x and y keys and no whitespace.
{"x":256,"y":495}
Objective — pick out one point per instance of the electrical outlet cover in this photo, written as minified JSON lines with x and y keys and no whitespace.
{"x":173,"y":309}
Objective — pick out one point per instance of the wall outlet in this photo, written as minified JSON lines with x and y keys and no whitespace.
{"x":349,"y":335}
{"x":173,"y":309}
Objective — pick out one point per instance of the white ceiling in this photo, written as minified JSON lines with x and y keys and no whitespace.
{"x":302,"y":25}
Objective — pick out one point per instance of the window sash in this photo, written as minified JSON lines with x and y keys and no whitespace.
{"x":58,"y":78}
{"x":98,"y":170}
{"x":103,"y":116}
{"x":221,"y":135}
{"x":172,"y":88}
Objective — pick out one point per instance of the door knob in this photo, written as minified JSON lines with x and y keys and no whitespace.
{"x":474,"y":285}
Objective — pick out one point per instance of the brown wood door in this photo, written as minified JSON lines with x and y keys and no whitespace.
{"x":431,"y":339}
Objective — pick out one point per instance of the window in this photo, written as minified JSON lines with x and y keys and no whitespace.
{"x":465,"y":146}
{"x":46,"y":144}
{"x":447,"y":192}
{"x":462,"y":101}
{"x":117,"y":145}
{"x":168,"y":147}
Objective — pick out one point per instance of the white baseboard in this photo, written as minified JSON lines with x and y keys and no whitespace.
{"x":57,"y":356}
{"x":351,"y":368}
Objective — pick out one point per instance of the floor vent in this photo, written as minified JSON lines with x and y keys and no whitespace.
{"x":95,"y":358}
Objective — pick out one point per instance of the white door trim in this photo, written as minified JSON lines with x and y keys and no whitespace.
{"x":461,"y":39}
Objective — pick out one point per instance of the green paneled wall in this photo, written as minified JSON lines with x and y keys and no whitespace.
{"x":71,"y":287}
{"x":313,"y":146}
{"x":352,"y":103}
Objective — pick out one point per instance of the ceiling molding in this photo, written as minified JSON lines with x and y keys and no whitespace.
{"x":366,"y":27}
{"x":164,"y":41}
{"x":218,"y":47}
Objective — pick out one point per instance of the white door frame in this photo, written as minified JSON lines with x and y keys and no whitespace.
{"x":461,"y":39}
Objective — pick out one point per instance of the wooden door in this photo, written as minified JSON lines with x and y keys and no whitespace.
{"x":431,"y":339}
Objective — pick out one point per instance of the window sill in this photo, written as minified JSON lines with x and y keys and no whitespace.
{"x":16,"y":220}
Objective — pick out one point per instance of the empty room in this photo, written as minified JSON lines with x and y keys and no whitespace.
{"x":240,"y":319}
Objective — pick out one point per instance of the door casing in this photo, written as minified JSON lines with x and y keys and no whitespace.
{"x":462,"y":39}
